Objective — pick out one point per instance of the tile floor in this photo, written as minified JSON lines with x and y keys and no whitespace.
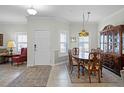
{"x":8,"y":73}
{"x":59,"y":77}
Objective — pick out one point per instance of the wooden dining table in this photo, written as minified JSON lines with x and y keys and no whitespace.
{"x":81,"y":58}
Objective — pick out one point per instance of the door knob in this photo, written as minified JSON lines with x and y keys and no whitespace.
{"x":35,"y":46}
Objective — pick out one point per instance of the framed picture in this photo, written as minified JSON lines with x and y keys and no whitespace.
{"x":1,"y":39}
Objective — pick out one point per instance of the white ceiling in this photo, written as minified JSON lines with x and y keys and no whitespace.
{"x":73,"y":13}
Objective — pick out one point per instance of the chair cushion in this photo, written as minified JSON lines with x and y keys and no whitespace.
{"x":24,"y":51}
{"x":91,"y":67}
{"x":15,"y":57}
{"x":75,"y":63}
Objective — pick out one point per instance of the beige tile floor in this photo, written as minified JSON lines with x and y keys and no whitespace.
{"x":58,"y":77}
{"x":8,"y":73}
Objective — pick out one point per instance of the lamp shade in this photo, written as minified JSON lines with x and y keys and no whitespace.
{"x":11,"y":44}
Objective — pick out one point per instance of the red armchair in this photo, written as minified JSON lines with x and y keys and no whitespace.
{"x":18,"y":59}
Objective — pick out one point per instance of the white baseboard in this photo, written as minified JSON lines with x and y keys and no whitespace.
{"x":61,"y":63}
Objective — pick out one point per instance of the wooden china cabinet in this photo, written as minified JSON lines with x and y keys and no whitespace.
{"x":1,"y":39}
{"x":112,"y":44}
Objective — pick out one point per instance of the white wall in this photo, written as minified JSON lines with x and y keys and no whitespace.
{"x":9,"y":32}
{"x":53,"y":25}
{"x":92,"y":28}
{"x":114,"y":19}
{"x":37,"y":23}
{"x":45,"y":23}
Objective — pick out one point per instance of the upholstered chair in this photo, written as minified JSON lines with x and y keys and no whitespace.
{"x":18,"y":59}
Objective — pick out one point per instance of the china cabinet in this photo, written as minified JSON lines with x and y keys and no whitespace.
{"x":1,"y":39}
{"x":112,"y":44}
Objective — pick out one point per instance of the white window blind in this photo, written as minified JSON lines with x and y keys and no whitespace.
{"x":84,"y":43}
{"x":21,"y":40}
{"x":63,"y":42}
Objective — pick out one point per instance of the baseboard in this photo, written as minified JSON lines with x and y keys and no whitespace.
{"x":60,"y":63}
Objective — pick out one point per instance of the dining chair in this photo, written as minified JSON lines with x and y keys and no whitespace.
{"x":93,"y":50}
{"x":98,"y":50}
{"x":72,"y":61}
{"x":94,"y":65}
{"x":75,"y":51}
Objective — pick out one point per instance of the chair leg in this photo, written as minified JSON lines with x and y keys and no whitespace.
{"x":78,"y":70}
{"x":94,"y":73}
{"x":89,"y":72}
{"x":99,"y":76}
{"x":71,"y":69}
{"x":82,"y":70}
{"x":17,"y":64}
{"x":101,"y":72}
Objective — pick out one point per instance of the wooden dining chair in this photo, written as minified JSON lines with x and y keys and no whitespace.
{"x":93,"y":50}
{"x":94,"y":65}
{"x":72,"y":61}
{"x":75,"y":51}
{"x":98,"y":50}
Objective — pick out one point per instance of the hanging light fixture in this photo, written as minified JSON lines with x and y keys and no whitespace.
{"x":84,"y":33}
{"x":31,"y":11}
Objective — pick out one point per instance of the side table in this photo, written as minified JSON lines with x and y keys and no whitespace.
{"x":10,"y":56}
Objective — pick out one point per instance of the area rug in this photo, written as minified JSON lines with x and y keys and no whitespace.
{"x":36,"y":76}
{"x":108,"y":77}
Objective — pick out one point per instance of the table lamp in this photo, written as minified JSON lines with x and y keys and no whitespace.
{"x":11,"y":44}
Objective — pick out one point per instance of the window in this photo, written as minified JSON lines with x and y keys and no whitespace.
{"x":21,"y":40}
{"x":84,"y":43}
{"x":63,"y":42}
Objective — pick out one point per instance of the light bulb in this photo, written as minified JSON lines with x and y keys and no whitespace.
{"x":31,"y":11}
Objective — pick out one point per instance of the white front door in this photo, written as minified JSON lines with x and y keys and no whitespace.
{"x":42,"y":48}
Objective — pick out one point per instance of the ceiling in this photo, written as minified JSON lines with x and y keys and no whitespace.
{"x":72,"y":13}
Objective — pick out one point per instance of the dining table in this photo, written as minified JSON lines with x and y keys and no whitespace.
{"x":81,"y":58}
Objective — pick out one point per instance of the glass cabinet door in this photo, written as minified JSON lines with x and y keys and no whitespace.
{"x":116,"y":42}
{"x":105,"y":43}
{"x":122,"y":42}
{"x":110,"y":42}
{"x":101,"y":41}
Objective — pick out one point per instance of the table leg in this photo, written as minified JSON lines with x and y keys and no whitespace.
{"x":11,"y":62}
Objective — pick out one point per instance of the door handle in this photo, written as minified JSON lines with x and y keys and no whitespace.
{"x":35,"y":47}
